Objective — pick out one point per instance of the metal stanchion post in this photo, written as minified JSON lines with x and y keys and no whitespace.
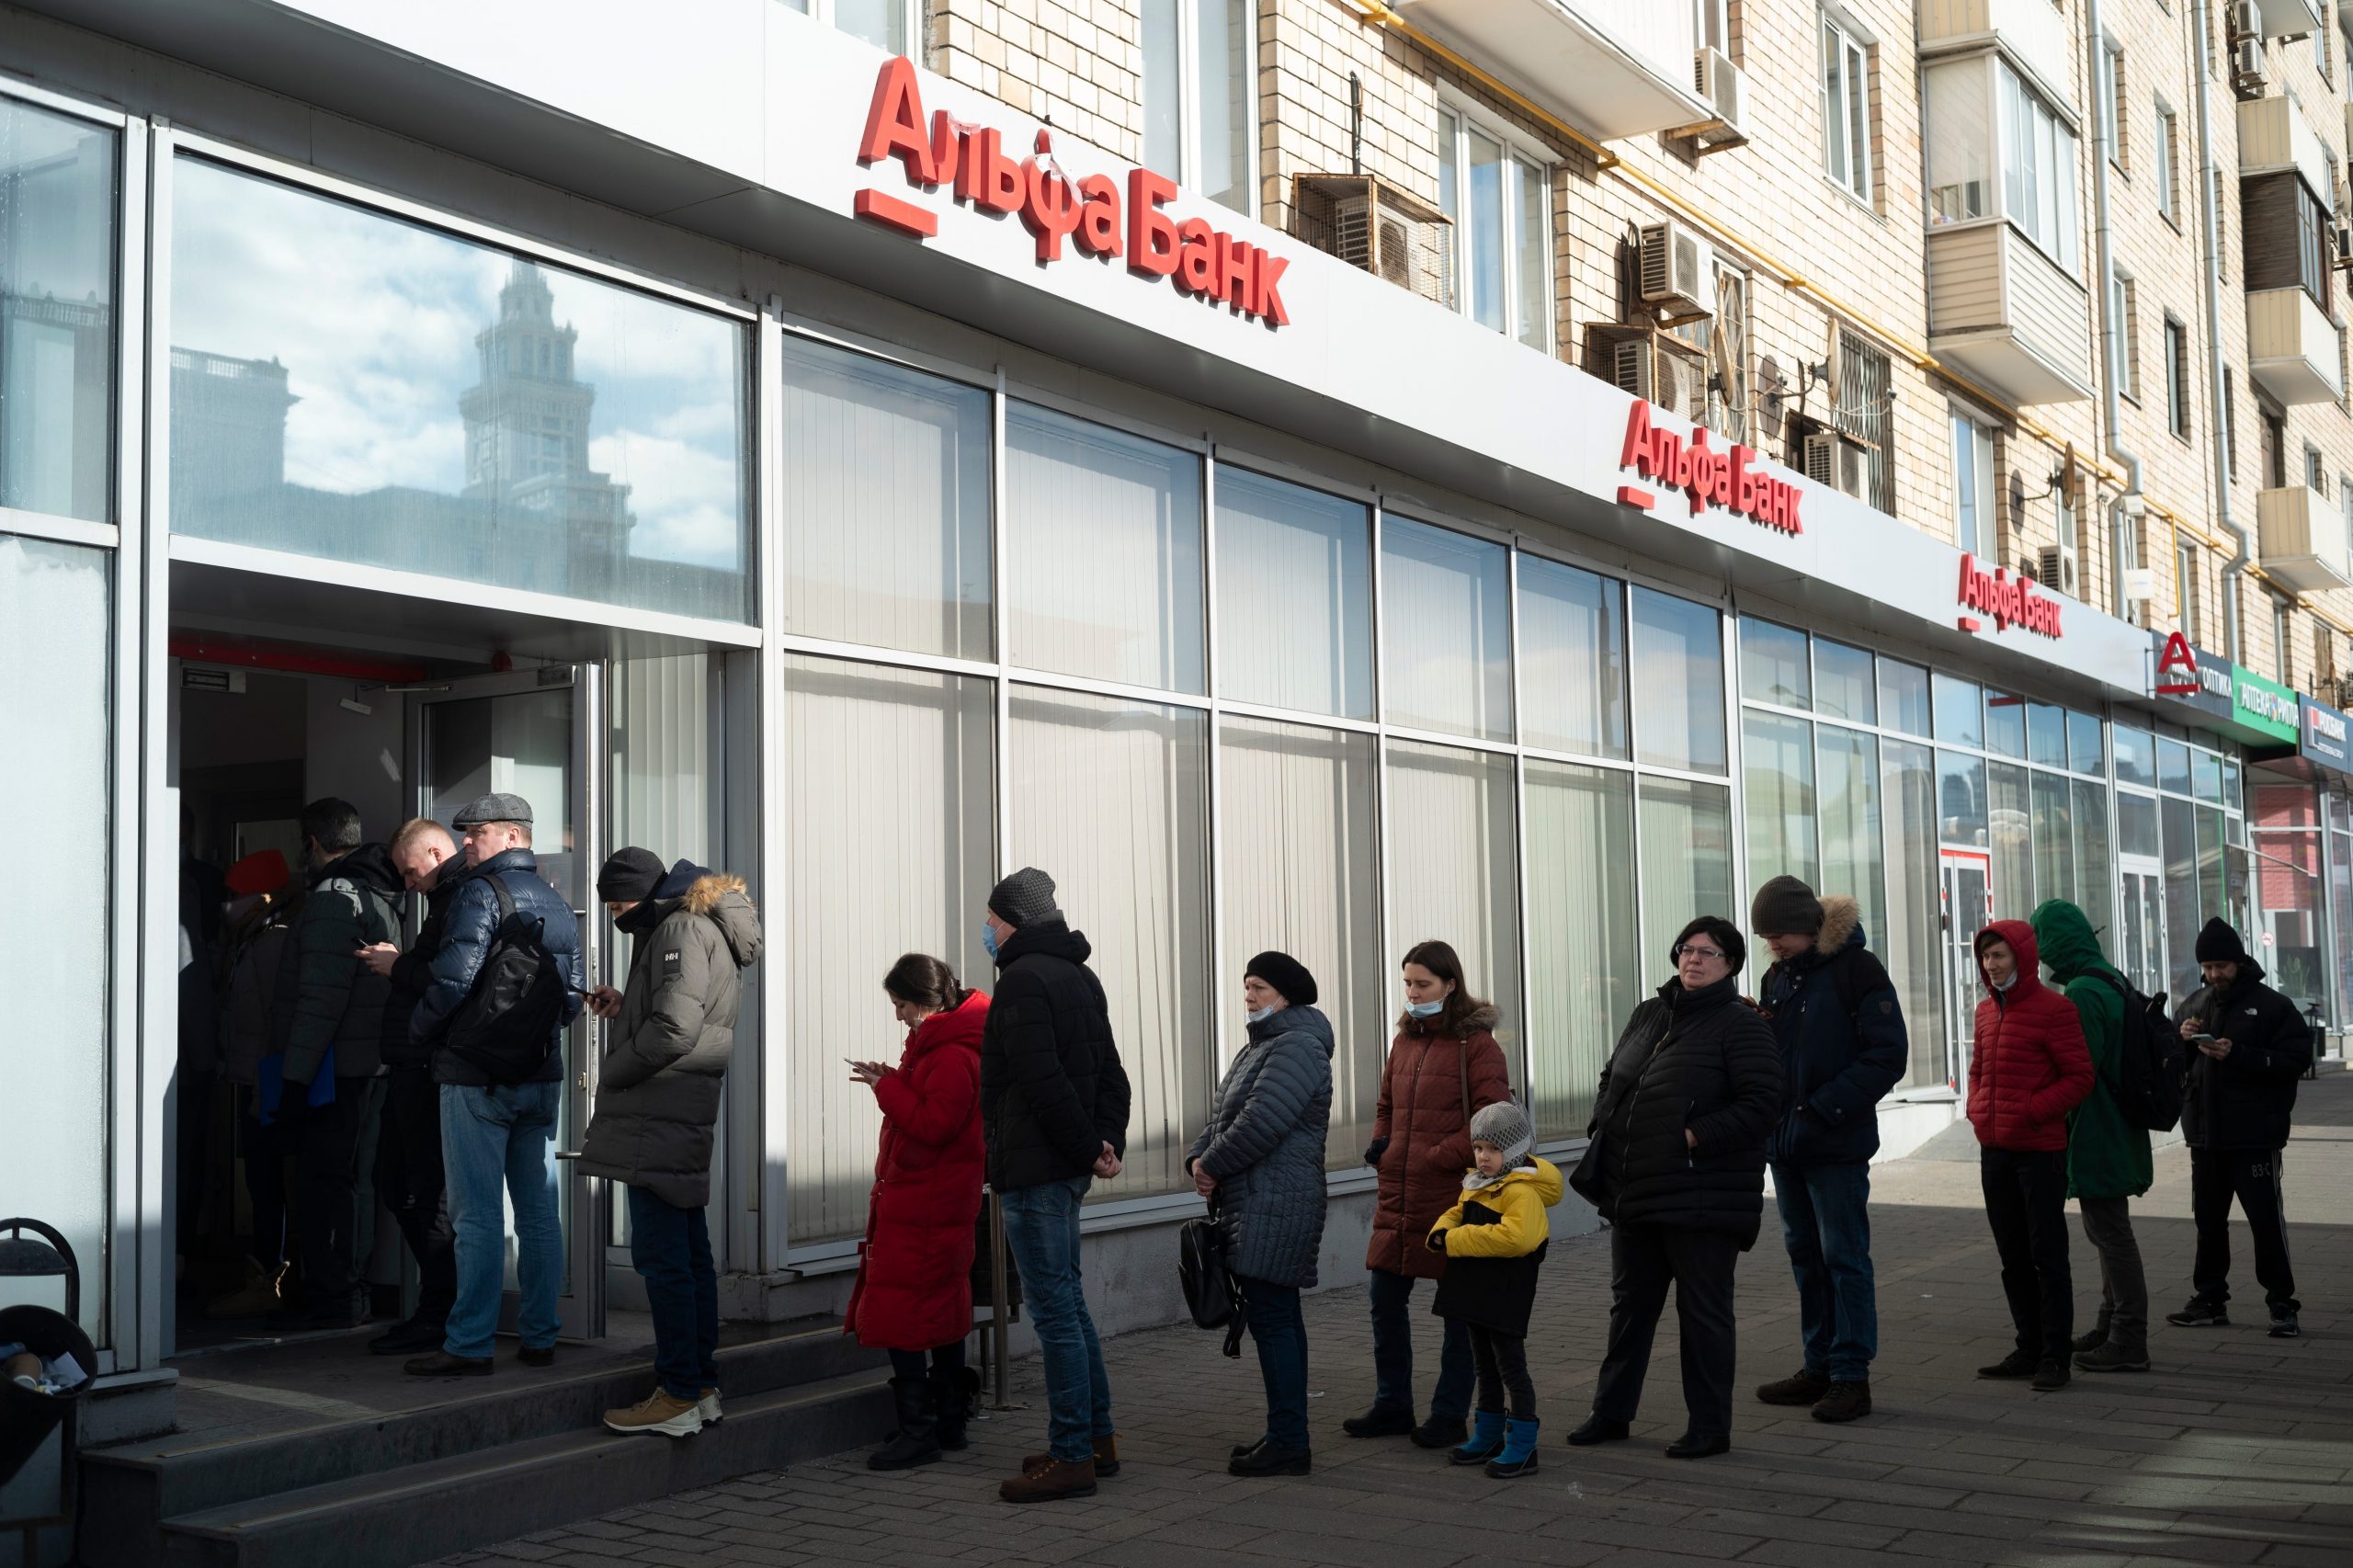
{"x":996,"y":1295}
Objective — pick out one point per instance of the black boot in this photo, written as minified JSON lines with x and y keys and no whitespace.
{"x":917,"y":1439}
{"x":950,"y":1401}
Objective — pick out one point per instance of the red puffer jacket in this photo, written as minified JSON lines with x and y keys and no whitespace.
{"x":2029,"y":1066}
{"x":1428,"y":1077}
{"x":915,"y":1274}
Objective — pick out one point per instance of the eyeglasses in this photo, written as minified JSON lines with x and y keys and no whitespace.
{"x":1693,"y":950}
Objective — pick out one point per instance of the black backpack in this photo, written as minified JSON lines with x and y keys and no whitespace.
{"x":2148,"y":1085}
{"x":507,"y":1026}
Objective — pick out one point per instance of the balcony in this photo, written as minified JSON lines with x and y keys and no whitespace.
{"x":2292,"y":346}
{"x":2303,"y":540}
{"x":2275,"y":138}
{"x":2035,"y":33}
{"x":2006,"y":315}
{"x":2290,"y":18}
{"x":1612,"y":68}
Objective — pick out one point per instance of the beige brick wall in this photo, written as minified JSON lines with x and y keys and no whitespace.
{"x":1814,"y":255}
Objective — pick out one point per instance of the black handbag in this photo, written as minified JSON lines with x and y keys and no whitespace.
{"x":1211,"y":1293}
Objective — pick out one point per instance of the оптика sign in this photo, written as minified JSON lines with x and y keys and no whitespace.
{"x":2263,"y":705}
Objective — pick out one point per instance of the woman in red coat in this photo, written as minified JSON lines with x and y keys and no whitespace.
{"x":1443,"y":1067}
{"x":914,"y":1295}
{"x":2028,"y":1068}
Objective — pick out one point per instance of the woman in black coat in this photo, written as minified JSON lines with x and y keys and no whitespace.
{"x":1676,"y":1162}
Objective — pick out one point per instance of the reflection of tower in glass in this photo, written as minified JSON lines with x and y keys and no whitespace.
{"x":561,"y":527}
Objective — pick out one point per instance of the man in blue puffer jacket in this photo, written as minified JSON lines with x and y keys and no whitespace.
{"x":1842,"y":1046}
{"x":497,"y":1134}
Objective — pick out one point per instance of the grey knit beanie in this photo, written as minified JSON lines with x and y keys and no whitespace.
{"x":1785,"y":907}
{"x":1024,"y":898}
{"x":1506,"y":1127}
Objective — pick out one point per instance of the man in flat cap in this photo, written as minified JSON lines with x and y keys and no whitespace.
{"x":500,"y":1095}
{"x":1054,"y":1106}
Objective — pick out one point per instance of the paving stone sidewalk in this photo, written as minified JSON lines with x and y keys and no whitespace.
{"x":2235,"y":1449}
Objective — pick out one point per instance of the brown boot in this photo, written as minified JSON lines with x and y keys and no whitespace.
{"x":1058,"y":1480}
{"x":1106,"y":1459}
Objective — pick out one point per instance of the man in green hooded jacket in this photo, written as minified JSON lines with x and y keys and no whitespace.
{"x":2107,"y":1157}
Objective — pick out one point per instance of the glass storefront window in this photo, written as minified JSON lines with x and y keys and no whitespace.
{"x":2173,"y":767}
{"x":1914,"y":953}
{"x":1687,"y":862}
{"x":1453,"y":870}
{"x":1580,"y":901}
{"x":2206,"y":777}
{"x":2054,"y":839}
{"x":2231,"y":796}
{"x":1903,"y":697}
{"x":1960,"y":720}
{"x":886,"y":500}
{"x":1960,"y":798}
{"x":1103,"y":551}
{"x":2135,"y":757}
{"x":1093,"y":778}
{"x":1777,"y":756}
{"x":2046,"y":734}
{"x":1294,"y":578}
{"x":1573,"y":659}
{"x":2136,"y":824}
{"x":2085,"y":753}
{"x":1773,"y":665}
{"x":2005,"y":724}
{"x":2184,"y":910}
{"x":1447,"y":599}
{"x":56,"y":707}
{"x":1301,"y":862}
{"x":2010,"y":835}
{"x":1679,"y":668}
{"x":2289,"y":889}
{"x":1852,"y":844}
{"x":890,"y":773}
{"x":1841,"y":683}
{"x":2095,"y":868}
{"x":57,"y":315}
{"x":354,"y":387}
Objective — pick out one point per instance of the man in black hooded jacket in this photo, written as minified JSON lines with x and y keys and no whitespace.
{"x":2234,"y":1108}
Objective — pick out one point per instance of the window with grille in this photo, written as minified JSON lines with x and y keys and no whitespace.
{"x":1866,"y":413}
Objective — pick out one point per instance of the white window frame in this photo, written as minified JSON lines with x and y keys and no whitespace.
{"x":1977,"y":537}
{"x":2123,"y":300}
{"x":2008,"y":86}
{"x":2111,"y":104}
{"x":910,"y":19}
{"x":1711,"y":26}
{"x":2177,"y":368}
{"x":1189,"y":172}
{"x":2188,"y":592}
{"x":2166,"y":148}
{"x":1518,"y":152}
{"x":1853,"y":65}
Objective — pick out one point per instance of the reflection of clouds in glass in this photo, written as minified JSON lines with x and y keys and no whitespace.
{"x":697,"y":520}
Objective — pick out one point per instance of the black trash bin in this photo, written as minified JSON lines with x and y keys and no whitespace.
{"x":26,"y":1416}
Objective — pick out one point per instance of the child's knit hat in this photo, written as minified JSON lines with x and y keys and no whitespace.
{"x":1506,"y":1127}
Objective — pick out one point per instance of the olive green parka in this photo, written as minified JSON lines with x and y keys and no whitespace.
{"x":2106,"y":1155}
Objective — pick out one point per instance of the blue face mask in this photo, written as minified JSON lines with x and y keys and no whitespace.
{"x":1260,"y":1015}
{"x":1426,"y":1010}
{"x":988,"y":938}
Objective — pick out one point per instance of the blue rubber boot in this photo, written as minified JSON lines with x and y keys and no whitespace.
{"x":1518,"y":1457}
{"x":1486,"y":1439}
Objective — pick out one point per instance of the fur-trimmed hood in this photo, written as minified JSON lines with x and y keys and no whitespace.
{"x":1482,"y":1018}
{"x":1842,"y":918}
{"x":704,"y":893}
{"x":719,"y":898}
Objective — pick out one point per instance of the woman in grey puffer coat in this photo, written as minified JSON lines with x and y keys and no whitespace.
{"x":1260,"y":1163}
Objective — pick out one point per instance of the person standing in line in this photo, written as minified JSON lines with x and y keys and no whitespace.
{"x":1494,"y":1238}
{"x":914,"y":1295}
{"x":498,"y":1134}
{"x":1444,"y":1067}
{"x":1055,"y":1106}
{"x":1675,"y":1160}
{"x":2109,"y":1163}
{"x":2028,"y":1068}
{"x":692,"y":932}
{"x":1840,"y":1028}
{"x":409,"y":1177}
{"x":328,"y":1013}
{"x":2235,"y":1107}
{"x":263,"y":902}
{"x":1260,"y":1163}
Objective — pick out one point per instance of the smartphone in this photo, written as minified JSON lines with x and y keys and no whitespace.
{"x":2202,"y":1040}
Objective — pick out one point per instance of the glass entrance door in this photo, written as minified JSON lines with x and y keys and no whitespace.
{"x":2140,"y":935}
{"x":1966,"y":904}
{"x":528,"y":733}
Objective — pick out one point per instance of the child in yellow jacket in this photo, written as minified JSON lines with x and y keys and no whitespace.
{"x":1493,"y":1239}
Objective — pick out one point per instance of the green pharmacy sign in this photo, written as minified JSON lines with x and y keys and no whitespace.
{"x":2265,"y":705}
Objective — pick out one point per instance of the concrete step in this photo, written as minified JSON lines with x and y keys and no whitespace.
{"x":130,"y":1490}
{"x":417,"y":1513}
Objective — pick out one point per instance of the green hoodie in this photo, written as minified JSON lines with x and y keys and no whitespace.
{"x":2106,"y":1155}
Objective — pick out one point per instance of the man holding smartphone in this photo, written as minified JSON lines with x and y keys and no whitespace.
{"x":2250,"y":1045}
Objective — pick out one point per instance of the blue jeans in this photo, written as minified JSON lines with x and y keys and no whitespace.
{"x":1281,"y":1334}
{"x":671,"y":1248}
{"x":1826,"y":1225}
{"x":1393,"y":1353}
{"x":489,"y":1136}
{"x":1041,"y":1229}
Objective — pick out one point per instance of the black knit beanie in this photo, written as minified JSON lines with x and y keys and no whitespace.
{"x":630,"y":875}
{"x":2218,"y":943}
{"x":1286,"y":975}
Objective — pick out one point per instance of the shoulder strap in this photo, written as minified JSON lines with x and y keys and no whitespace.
{"x":1462,"y":1061}
{"x":506,"y":900}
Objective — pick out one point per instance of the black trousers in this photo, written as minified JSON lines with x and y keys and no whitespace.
{"x":2251,"y":1175}
{"x":1501,"y":1360}
{"x":1643,"y":1260}
{"x":945,"y":1359}
{"x":329,"y":1155}
{"x":410,"y":1183}
{"x":2025,"y":1205}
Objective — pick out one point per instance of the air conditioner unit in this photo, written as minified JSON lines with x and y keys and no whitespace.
{"x":2247,"y":69}
{"x":2243,"y":20}
{"x":1723,"y":88}
{"x":1678,"y":272}
{"x":2055,"y":568}
{"x":1368,"y":223}
{"x":1830,"y":459}
{"x":1661,"y":370}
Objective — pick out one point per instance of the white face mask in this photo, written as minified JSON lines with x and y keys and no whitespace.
{"x":1260,"y":1015}
{"x":1426,"y":1010}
